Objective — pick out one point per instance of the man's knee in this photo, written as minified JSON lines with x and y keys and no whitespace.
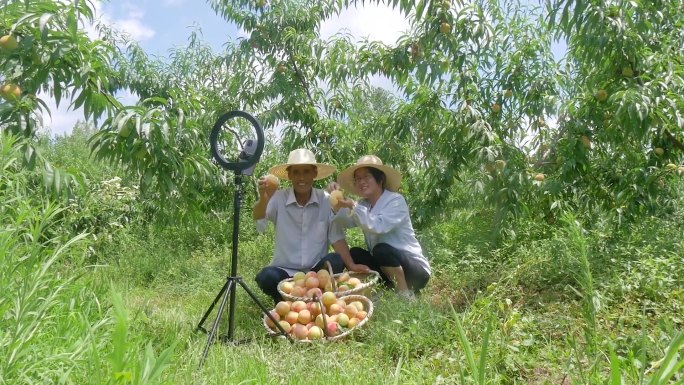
{"x":267,"y":279}
{"x":336,"y":262}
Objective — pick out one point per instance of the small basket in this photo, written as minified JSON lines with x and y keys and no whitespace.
{"x":367,"y":304}
{"x":369,"y":279}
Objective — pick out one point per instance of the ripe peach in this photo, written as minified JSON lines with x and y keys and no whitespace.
{"x":328,"y":298}
{"x":291,"y":317}
{"x":342,"y":288}
{"x":310,"y":274}
{"x":304,"y":317}
{"x":335,"y":197}
{"x":350,"y":310}
{"x":353,"y":322}
{"x":361,"y":314}
{"x":299,"y":275}
{"x":354,"y":282}
{"x":287,"y":287}
{"x":268,"y":320}
{"x":282,"y":308}
{"x":343,"y":319}
{"x":314,"y":308}
{"x":300,"y":282}
{"x":300,"y":331}
{"x":298,"y":306}
{"x":314,"y":292}
{"x":272,"y":181}
{"x":344,"y":277}
{"x":341,"y":303}
{"x":332,"y":329}
{"x":539,"y":177}
{"x":311,"y":282}
{"x":315,"y":333}
{"x":298,"y":291}
{"x":319,"y":321}
{"x":335,"y":309}
{"x":285,"y":325}
{"x":358,"y":304}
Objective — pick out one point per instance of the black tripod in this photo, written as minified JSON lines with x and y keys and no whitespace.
{"x":245,"y":166}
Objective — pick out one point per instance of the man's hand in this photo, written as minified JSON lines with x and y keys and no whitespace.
{"x":266,"y":187}
{"x":359,"y":268}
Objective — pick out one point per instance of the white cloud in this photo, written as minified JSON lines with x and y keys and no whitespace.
{"x":373,"y":21}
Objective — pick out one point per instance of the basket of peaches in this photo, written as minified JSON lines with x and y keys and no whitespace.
{"x":327,"y":318}
{"x":307,"y":286}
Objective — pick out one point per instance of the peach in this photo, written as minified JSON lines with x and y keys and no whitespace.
{"x":342,"y":288}
{"x":361,"y":314}
{"x":358,"y":304}
{"x":298,"y":275}
{"x":300,"y":282}
{"x":314,"y":292}
{"x":335,"y":309}
{"x":332,"y":329}
{"x":298,"y":292}
{"x":319,"y":321}
{"x":315,"y":308}
{"x":311,"y":282}
{"x":354,"y":282}
{"x":300,"y":331}
{"x":304,"y":317}
{"x":343,"y":319}
{"x":310,"y":274}
{"x":350,"y":310}
{"x":286,"y":287}
{"x":353,"y":322}
{"x":270,"y":323}
{"x":292,"y":317}
{"x":315,"y":333}
{"x":282,"y":308}
{"x":272,"y":181}
{"x":343,"y":277}
{"x":328,"y":298}
{"x":298,"y":306}
{"x":285,"y":325}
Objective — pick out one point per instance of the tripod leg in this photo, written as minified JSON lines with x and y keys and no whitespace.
{"x":230,"y":287}
{"x":263,"y":308}
{"x":211,"y":307}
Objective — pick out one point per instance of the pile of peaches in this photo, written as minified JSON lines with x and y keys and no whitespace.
{"x":313,"y":284}
{"x":309,"y":321}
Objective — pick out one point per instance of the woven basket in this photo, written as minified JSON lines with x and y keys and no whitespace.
{"x":368,"y":280}
{"x":367,"y":304}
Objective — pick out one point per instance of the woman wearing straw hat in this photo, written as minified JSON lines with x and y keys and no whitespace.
{"x":383,"y":215}
{"x":302,"y":217}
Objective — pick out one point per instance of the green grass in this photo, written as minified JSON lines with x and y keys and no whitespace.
{"x":554,"y":304}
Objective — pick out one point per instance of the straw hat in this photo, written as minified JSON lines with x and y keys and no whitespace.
{"x":392,"y":176}
{"x":301,"y":156}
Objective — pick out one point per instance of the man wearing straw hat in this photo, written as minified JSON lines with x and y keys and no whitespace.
{"x":302,"y":217}
{"x":383,"y":216}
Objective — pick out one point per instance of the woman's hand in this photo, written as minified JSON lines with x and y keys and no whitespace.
{"x":359,"y":268}
{"x":332,"y":186}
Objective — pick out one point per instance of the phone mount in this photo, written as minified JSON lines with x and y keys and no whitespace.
{"x":245,"y":164}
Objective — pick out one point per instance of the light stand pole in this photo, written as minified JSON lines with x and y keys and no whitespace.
{"x":244,"y":166}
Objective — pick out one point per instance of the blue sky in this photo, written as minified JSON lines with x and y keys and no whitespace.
{"x":159,"y":25}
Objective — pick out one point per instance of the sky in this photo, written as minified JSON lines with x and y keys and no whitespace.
{"x":160,"y":25}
